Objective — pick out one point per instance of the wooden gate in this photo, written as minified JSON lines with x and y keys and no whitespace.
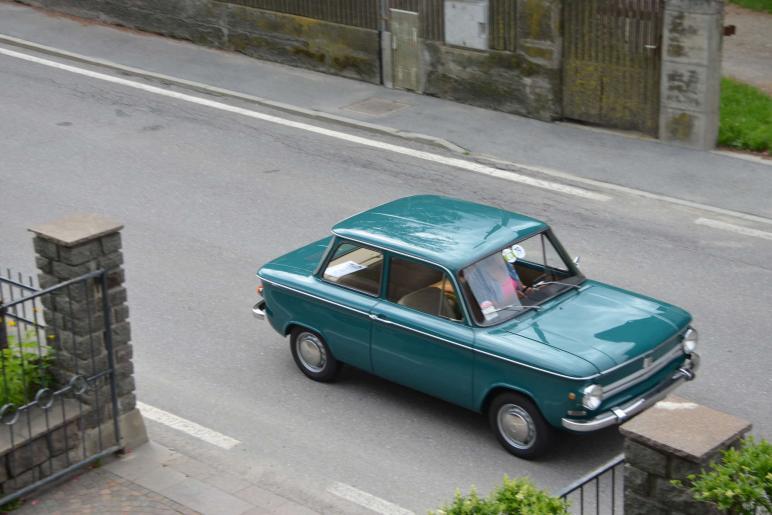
{"x":612,"y":60}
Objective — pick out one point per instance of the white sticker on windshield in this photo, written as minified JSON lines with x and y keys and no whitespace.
{"x":488,"y":310}
{"x":508,"y":255}
{"x":518,"y":251}
{"x":341,"y":269}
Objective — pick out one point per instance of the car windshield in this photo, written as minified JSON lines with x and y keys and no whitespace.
{"x":517,"y":278}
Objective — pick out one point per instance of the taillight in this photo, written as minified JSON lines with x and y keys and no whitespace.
{"x":260,"y":289}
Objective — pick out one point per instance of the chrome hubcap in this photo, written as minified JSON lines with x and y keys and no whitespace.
{"x":311,"y":352}
{"x":516,"y":426}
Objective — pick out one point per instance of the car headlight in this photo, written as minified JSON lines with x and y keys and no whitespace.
{"x":689,"y":342}
{"x":593,"y":397}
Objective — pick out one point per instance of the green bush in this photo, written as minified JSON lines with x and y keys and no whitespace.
{"x":513,"y":497}
{"x":23,"y":370}
{"x":741,"y":483}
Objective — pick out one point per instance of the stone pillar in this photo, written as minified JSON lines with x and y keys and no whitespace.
{"x":691,"y":72}
{"x":67,"y":249}
{"x":671,"y":440}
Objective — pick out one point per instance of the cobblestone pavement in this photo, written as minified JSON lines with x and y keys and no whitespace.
{"x":748,"y":54}
{"x":99,"y":491}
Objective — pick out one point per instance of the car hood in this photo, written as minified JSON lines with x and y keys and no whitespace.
{"x":603,"y":324}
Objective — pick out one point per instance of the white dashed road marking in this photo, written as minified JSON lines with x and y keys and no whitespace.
{"x":186,"y":426}
{"x":366,"y":500}
{"x":739,"y":229}
{"x":418,"y":154}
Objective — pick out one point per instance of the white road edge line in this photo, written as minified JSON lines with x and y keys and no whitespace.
{"x":366,"y":500}
{"x":186,"y":426}
{"x":418,"y":154}
{"x":745,"y":231}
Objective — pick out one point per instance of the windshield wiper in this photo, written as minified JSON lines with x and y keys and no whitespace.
{"x":515,"y":306}
{"x":544,"y":283}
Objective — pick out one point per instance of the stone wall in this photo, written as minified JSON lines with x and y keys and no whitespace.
{"x":322,"y":46}
{"x":671,"y":440}
{"x":502,"y":81}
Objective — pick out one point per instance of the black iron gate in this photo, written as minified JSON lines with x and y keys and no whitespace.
{"x":612,"y":61}
{"x":58,"y":402}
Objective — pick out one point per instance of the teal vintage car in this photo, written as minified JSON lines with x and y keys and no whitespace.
{"x":481,"y":307}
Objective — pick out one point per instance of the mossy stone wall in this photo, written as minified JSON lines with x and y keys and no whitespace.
{"x":322,"y":46}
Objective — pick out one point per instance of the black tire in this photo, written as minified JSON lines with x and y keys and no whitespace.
{"x":528,"y":435}
{"x":312,"y":355}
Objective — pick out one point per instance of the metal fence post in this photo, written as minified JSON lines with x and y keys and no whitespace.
{"x":3,"y":332}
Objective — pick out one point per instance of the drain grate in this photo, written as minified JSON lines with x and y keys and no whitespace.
{"x":376,"y":106}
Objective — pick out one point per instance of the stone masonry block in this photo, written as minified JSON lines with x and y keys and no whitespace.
{"x":680,"y":499}
{"x":111,"y":261}
{"x":120,"y":314}
{"x":124,"y":353}
{"x":121,"y":333}
{"x":63,"y":439}
{"x":117,"y":296}
{"x":116,"y":278}
{"x":29,"y":456}
{"x":47,"y":280}
{"x":24,"y":479}
{"x":45,"y":248}
{"x":637,"y":481}
{"x":679,"y":468}
{"x":111,"y":243}
{"x":645,"y":458}
{"x":127,"y":403}
{"x":126,"y":385}
{"x":124,"y":370}
{"x":43,"y":264}
{"x":65,"y":272}
{"x":80,"y":254}
{"x":637,"y":505}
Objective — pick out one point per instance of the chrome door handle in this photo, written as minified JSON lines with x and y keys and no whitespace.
{"x":380,"y":319}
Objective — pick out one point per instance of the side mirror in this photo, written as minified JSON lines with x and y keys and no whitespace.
{"x":577,"y":260}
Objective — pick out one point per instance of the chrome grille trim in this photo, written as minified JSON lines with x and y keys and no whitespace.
{"x":643,"y":374}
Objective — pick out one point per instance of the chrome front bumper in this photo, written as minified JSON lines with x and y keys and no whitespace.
{"x":258,"y":310}
{"x":620,"y":413}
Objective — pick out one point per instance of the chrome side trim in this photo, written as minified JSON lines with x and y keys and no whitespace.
{"x":301,"y":292}
{"x":473,"y":349}
{"x":643,"y":374}
{"x":619,"y":414}
{"x":384,"y":321}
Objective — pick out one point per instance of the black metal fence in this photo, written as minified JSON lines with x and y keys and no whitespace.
{"x":57,"y":381}
{"x":600,"y":492}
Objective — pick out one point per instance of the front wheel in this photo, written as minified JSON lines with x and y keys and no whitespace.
{"x":313,"y":356}
{"x":519,"y":426}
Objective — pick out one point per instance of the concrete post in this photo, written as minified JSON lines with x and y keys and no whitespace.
{"x":691,"y":72}
{"x":66,"y":249}
{"x":671,"y":440}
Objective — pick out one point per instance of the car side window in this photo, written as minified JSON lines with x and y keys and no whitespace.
{"x":356,"y":267}
{"x":424,"y":288}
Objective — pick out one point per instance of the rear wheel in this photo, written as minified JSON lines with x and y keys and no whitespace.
{"x":313,"y":356}
{"x":519,"y":425}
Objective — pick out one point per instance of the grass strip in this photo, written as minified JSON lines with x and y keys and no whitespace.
{"x":756,"y":5}
{"x":746,"y":117}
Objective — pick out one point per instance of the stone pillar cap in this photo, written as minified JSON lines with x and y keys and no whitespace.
{"x":684,"y":428}
{"x":75,"y":229}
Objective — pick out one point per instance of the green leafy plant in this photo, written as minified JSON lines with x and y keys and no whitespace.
{"x":513,"y":497}
{"x":741,"y":483}
{"x":23,"y":368}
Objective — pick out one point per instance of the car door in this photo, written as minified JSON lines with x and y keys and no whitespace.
{"x":350,"y":284}
{"x":419,"y":335}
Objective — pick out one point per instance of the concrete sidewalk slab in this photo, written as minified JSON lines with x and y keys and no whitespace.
{"x":157,"y":480}
{"x":625,"y":160}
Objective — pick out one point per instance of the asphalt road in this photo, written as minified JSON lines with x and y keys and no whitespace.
{"x":207,"y":196}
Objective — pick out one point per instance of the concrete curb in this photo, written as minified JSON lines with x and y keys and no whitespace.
{"x":221,"y":92}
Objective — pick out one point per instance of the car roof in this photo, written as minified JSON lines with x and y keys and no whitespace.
{"x":451,"y":232}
